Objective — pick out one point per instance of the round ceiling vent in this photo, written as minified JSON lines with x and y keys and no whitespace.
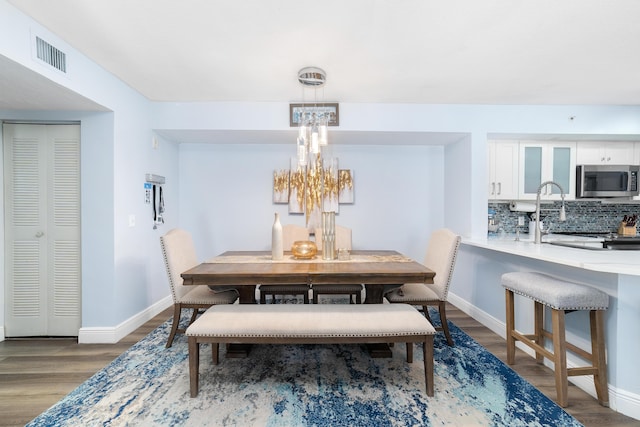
{"x":312,"y":76}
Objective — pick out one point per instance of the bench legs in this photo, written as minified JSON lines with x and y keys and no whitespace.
{"x":194,"y":362}
{"x":427,"y":349}
{"x":194,"y":365}
{"x":558,"y":355}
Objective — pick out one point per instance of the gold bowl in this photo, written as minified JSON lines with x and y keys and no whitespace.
{"x":304,"y":249}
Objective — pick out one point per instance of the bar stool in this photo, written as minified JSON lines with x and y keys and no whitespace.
{"x":561,"y":297}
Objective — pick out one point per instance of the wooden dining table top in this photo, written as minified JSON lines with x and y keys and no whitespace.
{"x":248,"y":268}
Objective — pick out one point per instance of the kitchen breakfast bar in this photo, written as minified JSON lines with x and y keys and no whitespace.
{"x":476,"y":288}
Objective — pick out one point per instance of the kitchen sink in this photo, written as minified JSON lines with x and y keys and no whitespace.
{"x":580,"y":244}
{"x":619,"y":244}
{"x":592,"y":241}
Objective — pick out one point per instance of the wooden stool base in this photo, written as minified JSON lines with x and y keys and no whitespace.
{"x":558,"y":356}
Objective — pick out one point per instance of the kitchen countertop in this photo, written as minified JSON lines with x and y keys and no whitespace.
{"x":607,"y":261}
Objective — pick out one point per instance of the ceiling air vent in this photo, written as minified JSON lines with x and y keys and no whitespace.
{"x":52,"y":56}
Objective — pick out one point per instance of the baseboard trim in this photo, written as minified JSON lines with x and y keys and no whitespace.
{"x":481,"y":316}
{"x":619,"y":400}
{"x":626,"y":403}
{"x":111,"y":335}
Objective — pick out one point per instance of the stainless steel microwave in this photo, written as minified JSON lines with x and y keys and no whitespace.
{"x":606,"y":181}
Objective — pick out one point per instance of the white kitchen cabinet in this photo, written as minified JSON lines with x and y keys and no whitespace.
{"x":542,"y":161}
{"x":502,"y":170}
{"x":604,"y":152}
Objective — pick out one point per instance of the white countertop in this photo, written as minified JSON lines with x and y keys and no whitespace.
{"x":607,"y":261}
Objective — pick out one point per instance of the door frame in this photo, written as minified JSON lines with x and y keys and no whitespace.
{"x":3,"y":286}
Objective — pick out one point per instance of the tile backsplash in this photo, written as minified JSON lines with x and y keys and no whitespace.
{"x":582,"y":216}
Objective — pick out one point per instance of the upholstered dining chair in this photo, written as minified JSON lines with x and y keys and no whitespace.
{"x":290,"y":233}
{"x":441,"y":258}
{"x":343,"y":241}
{"x":179,"y":256}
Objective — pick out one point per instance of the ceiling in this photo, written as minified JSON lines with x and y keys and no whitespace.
{"x":373,"y":51}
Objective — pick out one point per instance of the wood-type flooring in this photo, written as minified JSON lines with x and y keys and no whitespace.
{"x":36,"y":373}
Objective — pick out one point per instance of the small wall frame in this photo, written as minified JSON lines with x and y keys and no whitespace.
{"x":331,"y":110}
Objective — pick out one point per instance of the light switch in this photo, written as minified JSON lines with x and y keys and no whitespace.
{"x":132,"y":220}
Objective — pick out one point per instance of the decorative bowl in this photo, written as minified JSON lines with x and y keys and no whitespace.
{"x":304,"y":249}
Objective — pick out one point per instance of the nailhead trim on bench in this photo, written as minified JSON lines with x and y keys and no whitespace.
{"x":307,"y":324}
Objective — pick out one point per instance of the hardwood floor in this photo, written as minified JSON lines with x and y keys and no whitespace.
{"x":36,"y":373}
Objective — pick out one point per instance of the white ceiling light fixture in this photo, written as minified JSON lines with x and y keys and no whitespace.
{"x":312,"y":77}
{"x":313,"y":122}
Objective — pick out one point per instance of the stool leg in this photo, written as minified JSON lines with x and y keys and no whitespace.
{"x":560,"y":356}
{"x":598,"y":356}
{"x":538,"y":320}
{"x":511,"y":342}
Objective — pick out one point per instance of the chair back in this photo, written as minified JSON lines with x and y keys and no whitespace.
{"x":292,"y":233}
{"x":343,"y":238}
{"x":179,"y":256}
{"x":441,"y":258}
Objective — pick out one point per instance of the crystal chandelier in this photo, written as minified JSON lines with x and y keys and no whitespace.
{"x":314,"y":180}
{"x":313,"y":122}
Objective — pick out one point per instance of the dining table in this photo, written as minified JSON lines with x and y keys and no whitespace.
{"x":378,"y":270}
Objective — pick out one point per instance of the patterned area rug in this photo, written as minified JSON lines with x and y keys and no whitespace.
{"x":305,"y":385}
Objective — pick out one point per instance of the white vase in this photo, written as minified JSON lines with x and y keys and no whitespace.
{"x":277,"y":251}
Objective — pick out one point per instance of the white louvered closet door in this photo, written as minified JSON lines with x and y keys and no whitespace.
{"x":42,"y":230}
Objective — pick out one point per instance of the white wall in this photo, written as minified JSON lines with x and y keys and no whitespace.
{"x":458,"y":179}
{"x":226,"y":195}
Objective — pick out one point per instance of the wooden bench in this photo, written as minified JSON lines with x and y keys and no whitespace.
{"x":310,"y":324}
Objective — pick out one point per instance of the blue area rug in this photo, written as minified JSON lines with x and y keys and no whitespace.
{"x":305,"y":385}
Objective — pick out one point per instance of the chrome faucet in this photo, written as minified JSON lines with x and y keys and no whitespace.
{"x":563,"y":214}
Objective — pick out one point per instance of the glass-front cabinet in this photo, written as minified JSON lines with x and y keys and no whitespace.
{"x":547,"y":161}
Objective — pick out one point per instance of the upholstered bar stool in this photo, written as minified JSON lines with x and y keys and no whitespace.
{"x":561,"y":297}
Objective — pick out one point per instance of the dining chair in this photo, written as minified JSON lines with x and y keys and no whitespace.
{"x":343,"y":241}
{"x":290,"y":233}
{"x":179,"y":256}
{"x":441,"y":258}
